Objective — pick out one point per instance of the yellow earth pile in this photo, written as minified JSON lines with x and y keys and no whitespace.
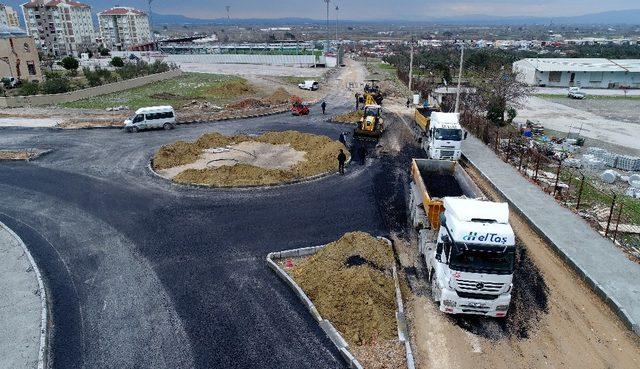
{"x":320,"y":157}
{"x":350,"y":117}
{"x":15,"y":155}
{"x":278,"y":97}
{"x":351,"y":284}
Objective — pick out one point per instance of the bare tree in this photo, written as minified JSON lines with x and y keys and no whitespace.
{"x":497,"y":92}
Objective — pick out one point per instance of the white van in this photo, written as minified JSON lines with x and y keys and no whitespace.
{"x":309,"y":85}
{"x":151,"y":117}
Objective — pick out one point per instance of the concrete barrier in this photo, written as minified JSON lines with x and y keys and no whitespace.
{"x":39,"y":100}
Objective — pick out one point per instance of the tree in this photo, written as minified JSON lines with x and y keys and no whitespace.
{"x":117,"y":62}
{"x":498,"y":92}
{"x":70,"y":63}
{"x":103,"y":51}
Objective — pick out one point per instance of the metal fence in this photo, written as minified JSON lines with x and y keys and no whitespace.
{"x":615,"y":215}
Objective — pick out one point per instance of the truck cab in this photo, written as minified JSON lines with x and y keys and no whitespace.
{"x":472,"y":259}
{"x":444,"y":136}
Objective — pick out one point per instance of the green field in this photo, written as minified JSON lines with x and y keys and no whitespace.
{"x":217,"y":89}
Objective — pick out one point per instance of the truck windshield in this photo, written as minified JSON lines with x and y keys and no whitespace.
{"x":448,"y":134}
{"x":476,"y":261}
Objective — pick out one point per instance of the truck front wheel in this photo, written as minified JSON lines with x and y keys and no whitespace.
{"x":434,"y":288}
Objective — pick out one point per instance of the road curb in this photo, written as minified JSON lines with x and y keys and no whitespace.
{"x":336,"y":338}
{"x":618,"y":309}
{"x":328,"y":328}
{"x":44,"y":329}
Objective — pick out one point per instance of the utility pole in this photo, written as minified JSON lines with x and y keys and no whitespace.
{"x":149,"y":17}
{"x":411,"y":67}
{"x":337,"y":12}
{"x":327,"y":43}
{"x":459,"y":78}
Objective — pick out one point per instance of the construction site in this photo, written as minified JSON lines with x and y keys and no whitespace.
{"x":348,"y":227}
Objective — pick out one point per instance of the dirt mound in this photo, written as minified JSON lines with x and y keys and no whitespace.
{"x":165,"y":96}
{"x":280,"y":96}
{"x":247,"y":104}
{"x":351,"y":283}
{"x":320,"y":157}
{"x":350,"y":117}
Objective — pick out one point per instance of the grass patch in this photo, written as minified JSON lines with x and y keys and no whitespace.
{"x":216,"y":89}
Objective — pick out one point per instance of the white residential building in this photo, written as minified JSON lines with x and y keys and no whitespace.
{"x":60,"y":27}
{"x":123,"y":27}
{"x":8,"y":16}
{"x":587,"y":72}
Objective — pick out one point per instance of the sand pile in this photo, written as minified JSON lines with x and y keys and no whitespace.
{"x":16,"y":154}
{"x":350,"y":117}
{"x":351,"y":284}
{"x":320,"y":156}
{"x":280,"y":96}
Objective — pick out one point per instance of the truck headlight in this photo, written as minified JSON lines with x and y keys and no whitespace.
{"x":502,"y":307}
{"x":449,"y":303}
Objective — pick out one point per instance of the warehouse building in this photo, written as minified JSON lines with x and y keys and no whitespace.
{"x":587,"y":73}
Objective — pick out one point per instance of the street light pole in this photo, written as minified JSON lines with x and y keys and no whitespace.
{"x":327,"y":43}
{"x":411,"y":67}
{"x":337,"y":12}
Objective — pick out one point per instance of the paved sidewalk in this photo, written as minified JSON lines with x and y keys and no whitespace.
{"x":20,"y":305}
{"x":603,"y":266}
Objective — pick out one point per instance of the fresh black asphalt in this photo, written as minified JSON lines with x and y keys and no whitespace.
{"x":143,"y":273}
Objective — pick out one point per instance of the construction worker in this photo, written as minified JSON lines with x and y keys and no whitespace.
{"x":323,"y":106}
{"x":362,"y":153}
{"x":408,"y":102}
{"x":342,"y":139}
{"x":357,"y":101}
{"x":341,"y":159}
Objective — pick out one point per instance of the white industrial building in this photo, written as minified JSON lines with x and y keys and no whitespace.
{"x":587,"y":73}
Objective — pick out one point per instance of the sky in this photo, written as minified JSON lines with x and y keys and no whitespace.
{"x":369,"y":9}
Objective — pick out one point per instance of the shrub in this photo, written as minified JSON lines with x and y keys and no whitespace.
{"x":56,"y":85}
{"x":103,"y":51}
{"x":117,"y":62}
{"x":29,"y":88}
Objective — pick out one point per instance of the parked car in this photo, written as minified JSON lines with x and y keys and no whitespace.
{"x":576,"y":93}
{"x":309,"y":85}
{"x":151,"y":117}
{"x":10,"y":82}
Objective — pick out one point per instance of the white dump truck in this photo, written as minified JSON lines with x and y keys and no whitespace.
{"x":439,"y":133}
{"x":467,"y":243}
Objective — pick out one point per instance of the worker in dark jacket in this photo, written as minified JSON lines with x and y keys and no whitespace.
{"x":323,"y":106}
{"x":357,"y":101}
{"x":341,"y":159}
{"x":342,"y":139}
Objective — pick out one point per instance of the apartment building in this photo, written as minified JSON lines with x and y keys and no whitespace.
{"x":18,"y":55}
{"x":60,"y":27}
{"x":8,"y":16}
{"x":123,"y":27}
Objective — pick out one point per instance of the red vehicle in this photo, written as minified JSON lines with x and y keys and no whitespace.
{"x":298,"y":107}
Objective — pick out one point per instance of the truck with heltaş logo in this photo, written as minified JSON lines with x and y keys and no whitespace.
{"x":467,"y":242}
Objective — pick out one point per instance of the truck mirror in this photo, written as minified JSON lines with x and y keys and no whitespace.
{"x":445,"y":239}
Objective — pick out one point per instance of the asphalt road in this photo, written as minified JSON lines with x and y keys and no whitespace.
{"x":143,"y":273}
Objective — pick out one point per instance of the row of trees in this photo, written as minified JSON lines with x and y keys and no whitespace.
{"x":58,"y":82}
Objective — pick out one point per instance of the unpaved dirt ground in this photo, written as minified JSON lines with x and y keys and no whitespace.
{"x":556,"y":321}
